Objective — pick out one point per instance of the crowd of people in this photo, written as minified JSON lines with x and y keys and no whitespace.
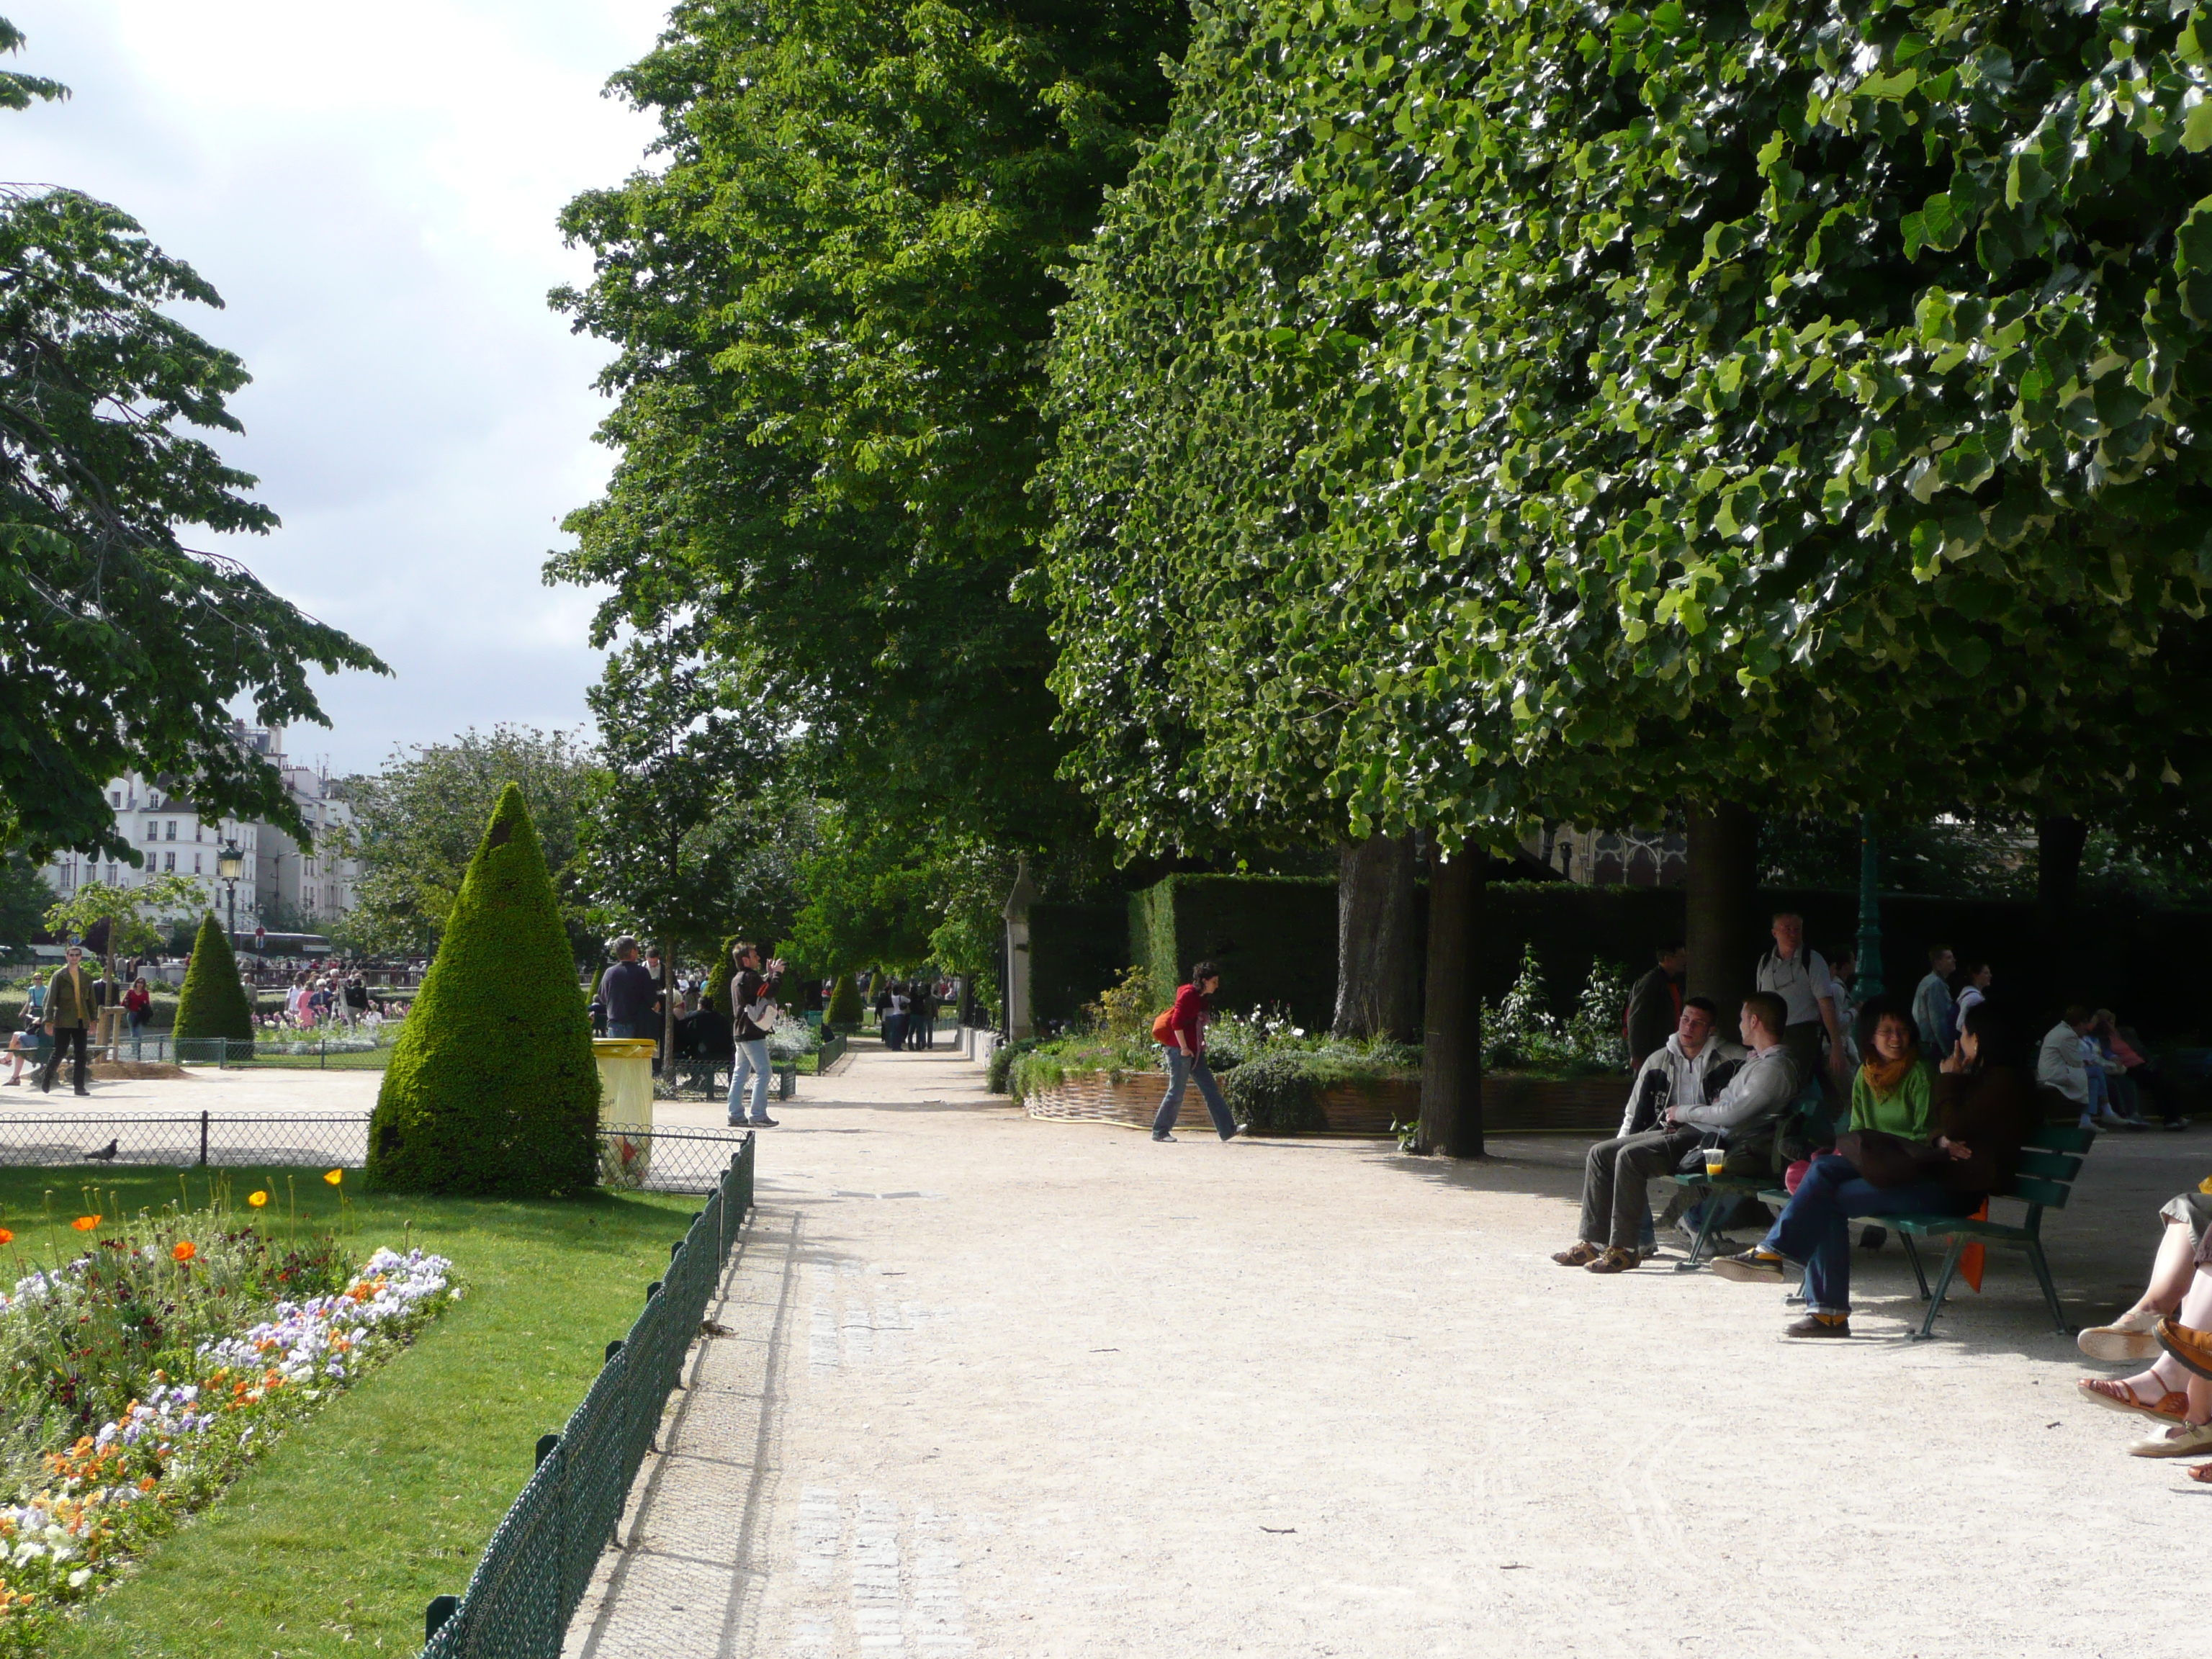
{"x":906,"y":1011}
{"x":1918,"y":1105}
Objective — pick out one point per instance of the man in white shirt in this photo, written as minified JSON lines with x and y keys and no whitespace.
{"x":1689,"y":1071}
{"x":1801,"y":980}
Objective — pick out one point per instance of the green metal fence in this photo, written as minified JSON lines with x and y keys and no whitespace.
{"x":535,"y":1570}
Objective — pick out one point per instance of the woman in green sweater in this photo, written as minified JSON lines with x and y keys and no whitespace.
{"x":1894,"y":1089}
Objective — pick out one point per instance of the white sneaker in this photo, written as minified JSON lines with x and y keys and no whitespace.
{"x":2131,"y":1336}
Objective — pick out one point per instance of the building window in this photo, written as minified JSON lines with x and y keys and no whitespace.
{"x":112,"y":874}
{"x":115,"y":797}
{"x":172,"y":829}
{"x":196,"y":864}
{"x":153,"y":831}
{"x":172,"y":863}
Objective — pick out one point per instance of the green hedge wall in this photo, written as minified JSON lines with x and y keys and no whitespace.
{"x":1075,"y":951}
{"x":1275,"y":938}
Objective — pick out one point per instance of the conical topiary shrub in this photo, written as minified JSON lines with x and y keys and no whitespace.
{"x":492,"y":1087}
{"x":715,"y":998}
{"x":844,"y":1012}
{"x":212,"y":1003}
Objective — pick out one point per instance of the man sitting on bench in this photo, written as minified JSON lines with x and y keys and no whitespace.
{"x":1695,"y":1108}
{"x":1984,"y":1109}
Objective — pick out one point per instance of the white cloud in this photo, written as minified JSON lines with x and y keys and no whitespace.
{"x":375,"y":193}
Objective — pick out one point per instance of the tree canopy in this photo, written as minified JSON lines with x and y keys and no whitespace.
{"x":1736,"y":405}
{"x":829,"y":305}
{"x":416,"y":824}
{"x":121,"y":648}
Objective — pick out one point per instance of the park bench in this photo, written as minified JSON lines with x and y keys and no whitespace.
{"x":2045,"y":1180}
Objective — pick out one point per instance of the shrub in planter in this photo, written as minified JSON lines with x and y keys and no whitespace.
{"x":492,"y":1087}
{"x":212,"y":1003}
{"x":845,"y":1013}
{"x":1277,"y":1093}
{"x":998,"y":1070}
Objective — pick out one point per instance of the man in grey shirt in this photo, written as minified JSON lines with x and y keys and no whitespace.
{"x":1933,"y":1010}
{"x":1619,"y":1171}
{"x":1801,"y":978}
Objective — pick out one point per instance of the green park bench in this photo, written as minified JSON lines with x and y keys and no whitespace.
{"x":2045,"y":1180}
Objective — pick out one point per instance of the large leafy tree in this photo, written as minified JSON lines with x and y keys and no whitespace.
{"x":829,"y":305}
{"x":415,"y":825}
{"x":121,"y":648}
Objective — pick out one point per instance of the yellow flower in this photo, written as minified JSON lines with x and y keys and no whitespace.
{"x":85,"y":1224}
{"x":334,"y":1176}
{"x":256,"y":1199}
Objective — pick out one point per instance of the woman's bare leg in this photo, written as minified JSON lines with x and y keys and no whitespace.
{"x":2168,"y":1374}
{"x":2171,"y":1270}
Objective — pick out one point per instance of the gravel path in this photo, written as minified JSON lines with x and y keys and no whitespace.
{"x":999,"y":1386}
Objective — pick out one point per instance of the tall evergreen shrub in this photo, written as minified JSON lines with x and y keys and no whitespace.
{"x":844,"y":1005}
{"x":492,"y":1088}
{"x":717,"y":993}
{"x":212,"y":1003}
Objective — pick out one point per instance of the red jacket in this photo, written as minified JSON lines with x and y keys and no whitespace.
{"x":1188,"y":1019}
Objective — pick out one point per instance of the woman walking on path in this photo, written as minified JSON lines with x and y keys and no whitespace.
{"x":1186,"y":1047}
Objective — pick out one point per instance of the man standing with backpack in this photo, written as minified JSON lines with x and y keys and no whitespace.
{"x":1181,"y":1032}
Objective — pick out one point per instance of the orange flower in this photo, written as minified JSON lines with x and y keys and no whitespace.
{"x":6,"y":1237}
{"x":334,"y":1176}
{"x":85,"y":1224}
{"x":256,"y":1199}
{"x":185,"y":1251}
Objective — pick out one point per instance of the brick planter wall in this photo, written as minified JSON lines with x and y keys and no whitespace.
{"x":1511,"y":1104}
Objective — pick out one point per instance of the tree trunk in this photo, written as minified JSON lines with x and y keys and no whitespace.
{"x":2058,"y":843}
{"x":1723,"y":931}
{"x":1451,"y":1048}
{"x":1377,"y":978}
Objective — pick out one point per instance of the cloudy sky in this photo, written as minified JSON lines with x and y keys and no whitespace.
{"x":372,"y":190}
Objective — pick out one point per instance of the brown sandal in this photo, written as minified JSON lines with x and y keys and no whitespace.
{"x":2119,"y":1397}
{"x":1614,"y":1260}
{"x":1582,"y":1255}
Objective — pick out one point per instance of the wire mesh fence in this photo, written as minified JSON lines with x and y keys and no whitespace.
{"x":634,"y":1156}
{"x":535,"y":1570}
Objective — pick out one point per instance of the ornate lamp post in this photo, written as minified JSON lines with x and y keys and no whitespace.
{"x":1869,"y":976}
{"x":230,"y":864}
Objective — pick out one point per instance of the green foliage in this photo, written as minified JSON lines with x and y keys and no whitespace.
{"x":715,"y":994}
{"x":493,"y":1088}
{"x":1693,"y":389}
{"x":1278,"y":1093}
{"x":24,"y":897}
{"x":1521,"y":1033}
{"x":124,"y":649}
{"x":212,"y":1003}
{"x":998,"y":1070}
{"x":1274,"y":937}
{"x":844,"y":1011}
{"x":416,"y":823}
{"x":828,"y":299}
{"x":129,"y":912}
{"x":1124,"y":1009}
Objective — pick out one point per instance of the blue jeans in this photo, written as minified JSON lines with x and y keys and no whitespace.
{"x":622,"y":1028}
{"x":1185,"y":1069}
{"x":895,"y":1031}
{"x":751,"y":1057}
{"x":1814,"y":1226}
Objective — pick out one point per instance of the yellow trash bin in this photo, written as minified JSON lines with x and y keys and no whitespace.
{"x":625,"y":1107}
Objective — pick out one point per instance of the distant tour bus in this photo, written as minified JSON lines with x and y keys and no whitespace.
{"x":282,"y":944}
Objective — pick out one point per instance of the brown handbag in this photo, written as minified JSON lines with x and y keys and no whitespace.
{"x":1883,"y":1159}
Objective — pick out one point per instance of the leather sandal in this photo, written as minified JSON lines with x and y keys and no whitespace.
{"x":1581,"y":1255}
{"x":2119,"y":1397}
{"x":1614,"y":1260}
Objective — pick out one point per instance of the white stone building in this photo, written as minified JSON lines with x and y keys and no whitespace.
{"x":281,"y":887}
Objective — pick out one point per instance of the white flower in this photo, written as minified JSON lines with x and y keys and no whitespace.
{"x":79,"y":1579}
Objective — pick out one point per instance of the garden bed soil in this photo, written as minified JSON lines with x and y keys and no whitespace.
{"x":1511,"y":1101}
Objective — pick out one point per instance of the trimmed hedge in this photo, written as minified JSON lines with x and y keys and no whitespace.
{"x":1274,"y":937}
{"x":212,"y":1003}
{"x":492,"y":1087}
{"x":844,"y":1013}
{"x":1075,"y":950}
{"x":1279,"y":1094}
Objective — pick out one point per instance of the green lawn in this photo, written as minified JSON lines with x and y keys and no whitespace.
{"x":334,"y":1544}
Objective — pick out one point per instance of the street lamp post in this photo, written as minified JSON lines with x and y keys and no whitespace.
{"x":230,"y":864}
{"x":1870,"y":946}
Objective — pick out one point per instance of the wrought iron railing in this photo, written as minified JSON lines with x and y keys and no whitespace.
{"x":540,"y":1562}
{"x":631,"y":1155}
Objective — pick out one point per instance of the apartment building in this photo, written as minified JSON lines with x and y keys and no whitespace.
{"x":281,"y":887}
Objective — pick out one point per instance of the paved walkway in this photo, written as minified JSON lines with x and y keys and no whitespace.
{"x":999,"y":1386}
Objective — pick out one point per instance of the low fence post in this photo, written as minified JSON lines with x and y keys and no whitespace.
{"x":204,"y":1140}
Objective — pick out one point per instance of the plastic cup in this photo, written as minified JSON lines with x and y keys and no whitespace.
{"x":1715,"y":1160}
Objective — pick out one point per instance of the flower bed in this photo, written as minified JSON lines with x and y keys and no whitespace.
{"x":142,"y":1376}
